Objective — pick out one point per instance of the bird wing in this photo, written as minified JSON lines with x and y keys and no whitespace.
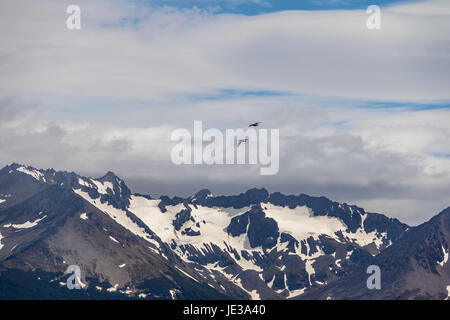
{"x":242,"y":140}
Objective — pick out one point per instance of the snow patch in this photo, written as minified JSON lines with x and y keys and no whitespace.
{"x":309,"y":269}
{"x":84,"y":183}
{"x":186,"y":274}
{"x":83,"y":216}
{"x":363,"y":238}
{"x":118,"y":215}
{"x":127,"y":292}
{"x":113,"y":289}
{"x":212,"y":226}
{"x":4,"y":197}
{"x":26,"y":225}
{"x":301,"y":223}
{"x":103,"y":187}
{"x":298,"y":292}
{"x":34,"y":173}
{"x":445,"y":259}
{"x":113,"y":239}
{"x":173,"y":293}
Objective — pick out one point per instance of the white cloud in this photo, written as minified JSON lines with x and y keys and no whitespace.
{"x":328,"y":53}
{"x":59,"y":82}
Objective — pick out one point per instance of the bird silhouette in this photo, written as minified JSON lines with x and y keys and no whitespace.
{"x":241,"y":141}
{"x":254,"y":124}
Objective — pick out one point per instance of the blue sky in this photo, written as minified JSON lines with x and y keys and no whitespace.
{"x":255,"y":7}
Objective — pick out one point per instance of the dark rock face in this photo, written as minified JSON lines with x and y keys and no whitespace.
{"x":292,"y":242}
{"x":328,"y":245}
{"x":238,"y":225}
{"x":251,"y":197}
{"x":361,"y":257}
{"x":190,"y":232}
{"x":262,"y":231}
{"x":278,"y":282}
{"x":53,"y":206}
{"x":166,"y":201}
{"x":181,"y":217}
{"x":119,"y":197}
{"x":17,"y":186}
{"x":393,"y":227}
{"x":296,"y":276}
{"x":18,"y":284}
{"x":201,"y":196}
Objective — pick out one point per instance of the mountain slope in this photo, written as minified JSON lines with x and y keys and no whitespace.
{"x":56,"y":228}
{"x":414,"y":267}
{"x":291,"y":243}
{"x":254,"y":245}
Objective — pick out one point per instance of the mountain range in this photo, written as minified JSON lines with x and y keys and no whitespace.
{"x":254,"y":245}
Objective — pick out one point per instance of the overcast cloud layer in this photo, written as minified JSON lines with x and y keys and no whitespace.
{"x":362,"y":114}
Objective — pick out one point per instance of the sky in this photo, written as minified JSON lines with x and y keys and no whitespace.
{"x":256,"y":7}
{"x":363,"y":114}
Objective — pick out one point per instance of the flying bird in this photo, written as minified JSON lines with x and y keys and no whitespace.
{"x":241,"y":141}
{"x":254,"y":124}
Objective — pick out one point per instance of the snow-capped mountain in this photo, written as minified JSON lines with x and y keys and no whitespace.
{"x":414,"y":267}
{"x":254,"y":245}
